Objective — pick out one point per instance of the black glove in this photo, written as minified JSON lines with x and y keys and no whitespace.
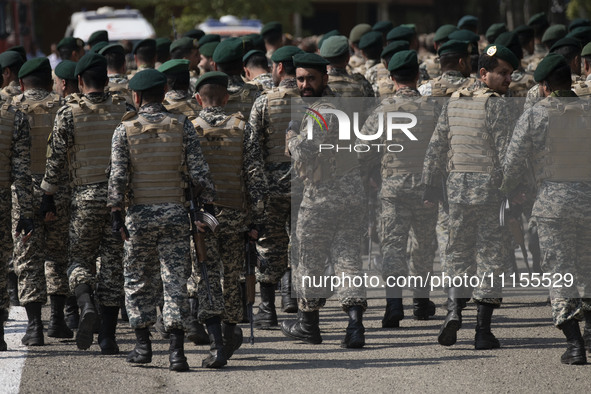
{"x":260,"y":228}
{"x":117,"y":224}
{"x":209,"y":208}
{"x":47,"y":205}
{"x":25,"y":225}
{"x":433,"y":194}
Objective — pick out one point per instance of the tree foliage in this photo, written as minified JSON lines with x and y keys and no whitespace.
{"x":578,"y":9}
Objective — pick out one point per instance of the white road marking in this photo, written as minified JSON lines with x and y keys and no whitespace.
{"x":13,"y":360}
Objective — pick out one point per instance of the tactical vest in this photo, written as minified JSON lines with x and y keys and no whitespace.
{"x":582,"y":88}
{"x":41,"y":115}
{"x":568,"y":143}
{"x":157,"y":159}
{"x":120,"y":89}
{"x":441,"y":87}
{"x":519,"y":88}
{"x":345,"y":86}
{"x":7,"y":115}
{"x":386,"y":87}
{"x":187,"y":107}
{"x":410,"y":160}
{"x":223,"y":147}
{"x":94,"y":125}
{"x":471,"y":145}
{"x":279,"y":107}
{"x":432,"y":66}
{"x":242,"y":100}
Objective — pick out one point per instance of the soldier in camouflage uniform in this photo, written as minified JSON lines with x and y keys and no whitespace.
{"x":88,"y":120}
{"x":71,"y":48}
{"x":371,"y":47}
{"x":553,"y":135}
{"x":272,"y":33}
{"x":331,"y":193}
{"x":178,"y":100}
{"x":207,"y":46}
{"x":187,"y":48}
{"x":356,"y":61}
{"x":256,"y":69}
{"x":144,"y":55}
{"x":117,"y":71}
{"x":521,"y":80}
{"x":478,"y":244}
{"x":65,"y":82}
{"x":10,"y":64}
{"x":539,"y":22}
{"x":386,"y":86}
{"x":583,"y":88}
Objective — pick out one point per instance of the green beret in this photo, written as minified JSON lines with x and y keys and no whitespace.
{"x":494,"y":30}
{"x":410,"y":26}
{"x":579,"y":22}
{"x":163,"y":44}
{"x":66,"y":70}
{"x":467,"y":21}
{"x":212,"y":78}
{"x":326,"y":35}
{"x":383,"y":26}
{"x":98,"y":36}
{"x":79,"y":43}
{"x":582,"y":33}
{"x":67,"y":42}
{"x":464,"y":35}
{"x":400,"y":33}
{"x":271,"y":27}
{"x":20,"y":50}
{"x":257,"y":41}
{"x":112,"y":48}
{"x":184,"y":43}
{"x":90,"y":60}
{"x":586,"y":50}
{"x":507,"y":39}
{"x":403,"y":60}
{"x":334,"y":46}
{"x":208,"y":48}
{"x":147,"y":79}
{"x":228,"y":51}
{"x":554,"y":33}
{"x":11,"y":58}
{"x":285,"y":53}
{"x":148,"y":42}
{"x":393,"y":47}
{"x":37,"y":65}
{"x":455,"y":46}
{"x":548,"y":64}
{"x":195,"y":34}
{"x":539,"y":19}
{"x":174,"y":66}
{"x":524,"y":31}
{"x":443,"y":32}
{"x":503,"y":53}
{"x":370,"y":39}
{"x":209,"y":38}
{"x":358,"y":31}
{"x":250,"y":53}
{"x":312,"y":60}
{"x":566,"y":42}
{"x":98,"y":46}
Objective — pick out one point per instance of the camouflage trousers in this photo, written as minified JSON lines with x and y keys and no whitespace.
{"x":273,"y":244}
{"x":5,"y":244}
{"x":157,"y":261}
{"x":566,"y":249}
{"x":442,"y":234}
{"x":478,"y":245}
{"x":41,"y":264}
{"x":90,"y":239}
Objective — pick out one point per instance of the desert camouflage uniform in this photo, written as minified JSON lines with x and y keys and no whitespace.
{"x":193,"y":77}
{"x":521,"y":82}
{"x":583,"y":88}
{"x":358,"y":82}
{"x":11,"y":90}
{"x":263,"y":81}
{"x":432,"y":66}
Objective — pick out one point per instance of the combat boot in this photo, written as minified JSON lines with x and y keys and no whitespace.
{"x":57,"y":325}
{"x":306,"y":328}
{"x":106,"y":337}
{"x":34,"y":334}
{"x":232,"y":338}
{"x":355,"y":334}
{"x":575,"y":345}
{"x":394,"y":309}
{"x":142,"y":353}
{"x":288,"y":304}
{"x":216,"y":358}
{"x":71,"y":312}
{"x":196,"y":333}
{"x":267,"y":315}
{"x":178,"y":361}
{"x":13,"y":289}
{"x":423,"y":308}
{"x":587,"y":331}
{"x":484,"y":338}
{"x":88,"y":317}
{"x":453,"y":321}
{"x":3,"y":319}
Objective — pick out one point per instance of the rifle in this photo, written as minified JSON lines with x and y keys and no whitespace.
{"x":515,"y":227}
{"x":251,"y":258}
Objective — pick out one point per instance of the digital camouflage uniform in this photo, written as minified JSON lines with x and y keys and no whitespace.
{"x":521,"y":82}
{"x":385,"y":84}
{"x":371,"y":75}
{"x":11,"y":90}
{"x":263,"y":81}
{"x":348,"y":85}
{"x":181,"y":102}
{"x":583,"y":88}
{"x":242,"y":96}
{"x":119,"y":84}
{"x":533,"y":94}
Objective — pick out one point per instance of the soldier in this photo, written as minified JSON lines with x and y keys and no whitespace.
{"x":465,"y":35}
{"x":162,"y":51}
{"x":494,"y":31}
{"x":386,"y":86}
{"x":371,"y":48}
{"x":97,"y":37}
{"x":521,"y":80}
{"x":539,"y":22}
{"x":178,"y":99}
{"x":468,"y":22}
{"x":272,"y":33}
{"x":441,"y":37}
{"x":553,"y":135}
{"x":187,"y":48}
{"x":144,"y":55}
{"x":10,"y":63}
{"x":331,"y":193}
{"x":256,"y":69}
{"x":383,"y":27}
{"x":65,"y":82}
{"x":356,"y":61}
{"x":478,"y":242}
{"x":81,"y":137}
{"x":71,"y":48}
{"x":454,"y":58}
{"x":584,"y":88}
{"x":116,"y":70}
{"x":195,"y":34}
{"x":207,"y":45}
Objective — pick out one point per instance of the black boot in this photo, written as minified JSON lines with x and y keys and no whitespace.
{"x":196,"y":333}
{"x":178,"y":361}
{"x":355,"y":334}
{"x":232,"y":338}
{"x":587,"y":331}
{"x":394,"y":309}
{"x":13,"y":289}
{"x":267,"y":315}
{"x":306,"y":328}
{"x":34,"y":334}
{"x":57,"y":325}
{"x":72,"y":313}
{"x":216,"y":358}
{"x":142,"y":353}
{"x":288,"y":304}
{"x":3,"y":318}
{"x":88,"y":317}
{"x":484,"y":338}
{"x":453,"y":321}
{"x":106,"y":337}
{"x":575,"y":345}
{"x":423,"y":308}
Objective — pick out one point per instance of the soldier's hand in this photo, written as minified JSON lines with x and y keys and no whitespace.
{"x":201,"y":227}
{"x":48,"y":210}
{"x":118,"y":228}
{"x":25,"y":225}
{"x":432,"y":196}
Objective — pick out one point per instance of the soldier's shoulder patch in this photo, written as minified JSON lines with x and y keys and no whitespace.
{"x":129,"y":115}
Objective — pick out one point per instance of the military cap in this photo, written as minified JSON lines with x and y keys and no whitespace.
{"x":566,"y":42}
{"x":250,"y":53}
{"x":271,"y":27}
{"x":326,"y":35}
{"x":147,"y":79}
{"x":358,"y":31}
{"x":586,"y":50}
{"x":443,"y":32}
{"x":455,"y":46}
{"x":554,"y":32}
{"x":503,"y":53}
{"x":163,"y":43}
{"x":394,"y":47}
{"x":334,"y":46}
{"x":210,"y":38}
{"x":174,"y":66}
{"x":400,"y":33}
{"x":285,"y":53}
{"x":467,"y":21}
{"x":582,"y":33}
{"x":507,"y":39}
{"x":383,"y":26}
{"x":67,"y":42}
{"x":403,"y":60}
{"x":98,"y":46}
{"x":548,"y":64}
{"x":464,"y":35}
{"x":578,"y":22}
{"x":370,"y":39}
{"x":20,"y":50}
{"x":98,"y":36}
{"x":111,"y":48}
{"x":494,"y":31}
{"x":208,"y":48}
{"x":538,"y":19}
{"x":257,"y":41}
{"x":66,"y":70}
{"x":524,"y":31}
{"x":195,"y":34}
{"x":212,"y":78}
{"x":184,"y":43}
{"x":148,"y":42}
{"x":311,"y":60}
{"x":11,"y":58}
{"x":39,"y":64}
{"x":228,"y":51}
{"x":410,"y":26}
{"x":90,"y":60}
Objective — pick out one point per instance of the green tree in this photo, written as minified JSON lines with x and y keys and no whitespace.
{"x":578,"y":9}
